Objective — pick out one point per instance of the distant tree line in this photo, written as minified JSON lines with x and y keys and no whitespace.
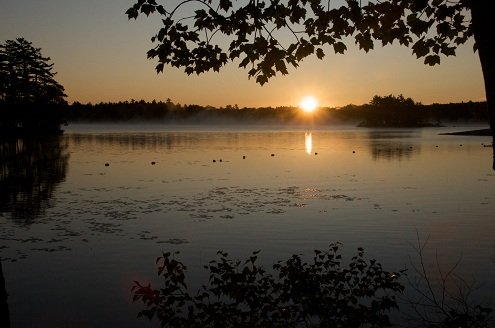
{"x":405,"y":112}
{"x":170,"y":112}
{"x":380,"y":111}
{"x":401,"y":111}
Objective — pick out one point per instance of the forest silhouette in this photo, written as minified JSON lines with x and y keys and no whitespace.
{"x":392,"y":111}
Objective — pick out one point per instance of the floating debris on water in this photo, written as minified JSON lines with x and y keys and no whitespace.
{"x":173,"y":241}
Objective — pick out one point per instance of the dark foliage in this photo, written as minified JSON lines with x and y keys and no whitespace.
{"x":256,"y":31}
{"x":324,"y":292}
{"x":31,"y":100}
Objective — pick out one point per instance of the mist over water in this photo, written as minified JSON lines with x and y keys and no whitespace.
{"x":107,"y":200}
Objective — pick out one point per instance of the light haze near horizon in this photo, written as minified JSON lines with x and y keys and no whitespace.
{"x":100,"y":56}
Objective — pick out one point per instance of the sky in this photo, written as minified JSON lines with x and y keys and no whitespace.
{"x":100,"y":56}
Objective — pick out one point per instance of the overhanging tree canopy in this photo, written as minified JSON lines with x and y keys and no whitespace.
{"x":267,"y":36}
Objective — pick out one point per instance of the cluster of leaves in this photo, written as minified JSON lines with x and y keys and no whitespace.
{"x":258,"y":31}
{"x":324,"y":292}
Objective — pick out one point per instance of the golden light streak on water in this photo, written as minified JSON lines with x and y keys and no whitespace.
{"x":309,"y":142}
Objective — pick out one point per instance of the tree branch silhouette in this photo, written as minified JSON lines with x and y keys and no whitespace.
{"x":430,"y":28}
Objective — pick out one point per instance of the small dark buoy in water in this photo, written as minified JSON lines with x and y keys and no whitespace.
{"x":243,"y":157}
{"x":214,"y":161}
{"x":353,"y":151}
{"x":106,"y":164}
{"x":153,"y":163}
{"x":460,"y":145}
{"x":436,"y":146}
{"x":220,"y":160}
{"x":316,"y":154}
{"x":273,"y":155}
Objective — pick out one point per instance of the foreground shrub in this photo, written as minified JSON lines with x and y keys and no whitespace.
{"x":325,"y":292}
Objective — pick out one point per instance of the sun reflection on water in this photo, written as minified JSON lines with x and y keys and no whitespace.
{"x":309,"y":142}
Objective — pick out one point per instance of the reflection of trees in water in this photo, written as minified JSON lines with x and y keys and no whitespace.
{"x":158,"y":140}
{"x":392,"y":145}
{"x":30,"y":170}
{"x":141,"y":141}
{"x":4,"y":306}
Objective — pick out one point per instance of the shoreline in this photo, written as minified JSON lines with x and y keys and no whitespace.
{"x":481,"y":132}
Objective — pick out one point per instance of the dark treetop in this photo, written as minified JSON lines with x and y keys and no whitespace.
{"x":30,"y":98}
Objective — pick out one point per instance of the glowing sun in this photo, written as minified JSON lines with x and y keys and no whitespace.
{"x":308,"y":104}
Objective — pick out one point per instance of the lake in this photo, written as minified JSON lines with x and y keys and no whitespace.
{"x":84,"y":215}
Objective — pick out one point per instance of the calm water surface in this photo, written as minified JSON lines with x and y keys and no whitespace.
{"x":75,"y":233}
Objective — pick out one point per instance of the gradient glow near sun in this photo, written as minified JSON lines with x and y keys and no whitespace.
{"x":308,"y":104}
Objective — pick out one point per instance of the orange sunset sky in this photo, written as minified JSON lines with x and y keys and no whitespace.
{"x":100,"y":56}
